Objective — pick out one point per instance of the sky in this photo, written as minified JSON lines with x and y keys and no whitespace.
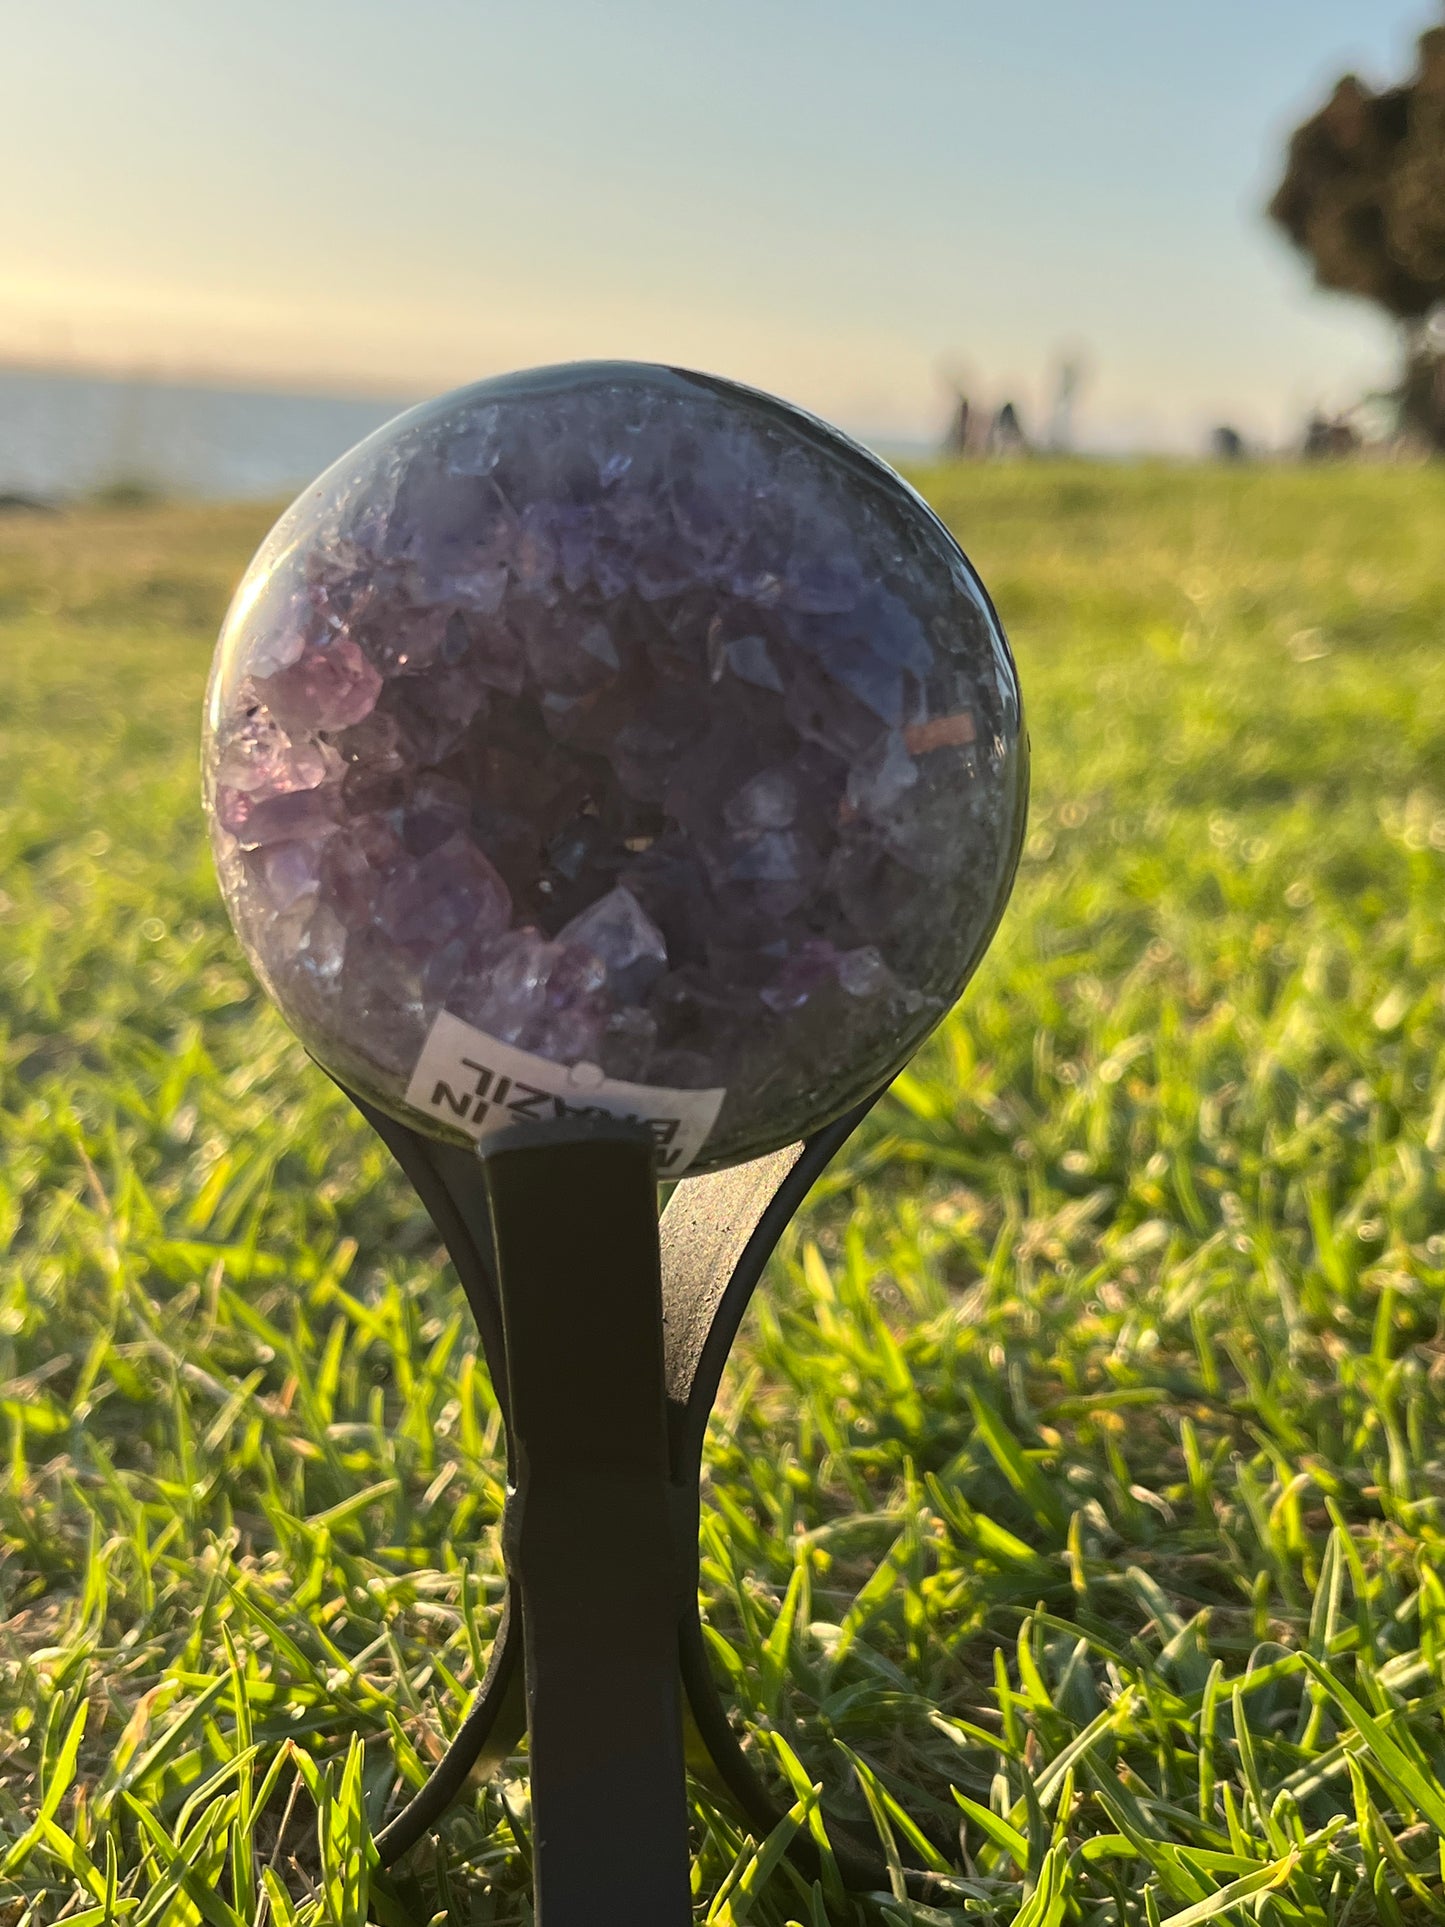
{"x":850,"y":202}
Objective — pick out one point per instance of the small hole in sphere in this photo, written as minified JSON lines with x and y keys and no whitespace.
{"x":586,"y":1077}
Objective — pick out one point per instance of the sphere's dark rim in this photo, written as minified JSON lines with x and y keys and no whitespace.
{"x":868,"y":468}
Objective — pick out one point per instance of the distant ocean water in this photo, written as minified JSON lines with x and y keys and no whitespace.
{"x":63,"y":435}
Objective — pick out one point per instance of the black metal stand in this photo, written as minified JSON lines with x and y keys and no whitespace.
{"x":589,"y":1531}
{"x":606,"y":1336}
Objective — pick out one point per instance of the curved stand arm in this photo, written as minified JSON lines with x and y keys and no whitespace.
{"x":532,"y":1227}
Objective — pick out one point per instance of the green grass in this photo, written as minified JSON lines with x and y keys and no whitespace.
{"x":1076,"y":1502}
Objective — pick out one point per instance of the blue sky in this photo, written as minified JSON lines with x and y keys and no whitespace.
{"x":836,"y":201}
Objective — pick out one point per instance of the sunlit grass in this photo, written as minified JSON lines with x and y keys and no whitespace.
{"x":1076,"y":1504}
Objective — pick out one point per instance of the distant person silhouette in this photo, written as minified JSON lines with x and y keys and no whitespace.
{"x":956,"y":441}
{"x":1007,"y":436}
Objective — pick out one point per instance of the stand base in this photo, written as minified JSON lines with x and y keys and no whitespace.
{"x":607,"y":1339}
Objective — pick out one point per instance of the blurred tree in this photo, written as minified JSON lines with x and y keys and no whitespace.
{"x":1363,"y":197}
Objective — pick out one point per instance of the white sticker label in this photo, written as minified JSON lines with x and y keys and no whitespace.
{"x":478,"y":1085}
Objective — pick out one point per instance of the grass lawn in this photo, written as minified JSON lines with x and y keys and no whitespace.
{"x":1076,"y":1503}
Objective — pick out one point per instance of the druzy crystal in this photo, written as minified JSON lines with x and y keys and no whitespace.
{"x":635,"y":721}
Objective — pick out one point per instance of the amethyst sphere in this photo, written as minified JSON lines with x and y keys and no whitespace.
{"x":614,"y":737}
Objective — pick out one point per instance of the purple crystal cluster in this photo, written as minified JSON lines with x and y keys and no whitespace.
{"x":637,"y":720}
